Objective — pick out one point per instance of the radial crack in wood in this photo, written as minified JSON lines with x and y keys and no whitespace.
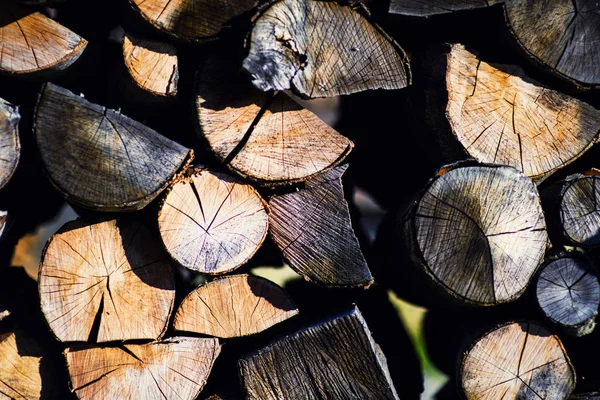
{"x":152,"y":65}
{"x":420,"y":8}
{"x":336,"y":359}
{"x":99,"y":158}
{"x":501,"y":116}
{"x":24,"y":372}
{"x":569,"y":293}
{"x":561,"y":35}
{"x":267,"y":138}
{"x":519,"y":360}
{"x":312,"y":228}
{"x":479,"y":232}
{"x":192,"y":20}
{"x":32,"y":42}
{"x":10,"y":146}
{"x":579,"y":209}
{"x":175,"y":368}
{"x":113,"y":275}
{"x":211,"y":222}
{"x":323,"y":49}
{"x":234,"y":306}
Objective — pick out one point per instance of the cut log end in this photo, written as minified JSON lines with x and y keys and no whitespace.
{"x":234,"y":306}
{"x":312,"y":228}
{"x":211,"y":222}
{"x":174,"y":368}
{"x":110,"y":275}
{"x":419,"y":8}
{"x":152,"y":66}
{"x":33,"y":43}
{"x":569,"y":293}
{"x":322,"y":49}
{"x":10,"y":146}
{"x":99,"y":158}
{"x":293,"y":366}
{"x":480,"y":232}
{"x":561,"y":35}
{"x":579,"y":210}
{"x":520,"y":360}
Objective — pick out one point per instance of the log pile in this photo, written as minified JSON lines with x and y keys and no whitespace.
{"x":203,"y":142}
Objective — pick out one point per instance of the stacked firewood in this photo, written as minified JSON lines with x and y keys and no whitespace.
{"x":182,"y":133}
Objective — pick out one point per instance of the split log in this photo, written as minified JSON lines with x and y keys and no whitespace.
{"x":111,"y":277}
{"x":312,"y":228}
{"x":267,"y":138}
{"x":234,"y":306}
{"x":33,"y":43}
{"x":3,"y":221}
{"x":478,"y":232}
{"x":323,"y":49}
{"x":335,"y":359}
{"x":24,"y":372}
{"x":10,"y":146}
{"x":100,"y":159}
{"x":419,"y":8}
{"x":559,"y":35}
{"x":520,"y":360}
{"x":192,"y":20}
{"x":569,"y":293}
{"x":152,"y":66}
{"x":211,"y":222}
{"x":498,"y":115}
{"x":174,"y":368}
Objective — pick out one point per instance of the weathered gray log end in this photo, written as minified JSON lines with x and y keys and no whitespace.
{"x":479,"y":232}
{"x":420,"y":8}
{"x":333,"y":360}
{"x":579,"y":208}
{"x":312,"y":228}
{"x":519,"y":360}
{"x":10,"y":146}
{"x":569,"y":293}
{"x":560,"y":35}
{"x":323,"y":49}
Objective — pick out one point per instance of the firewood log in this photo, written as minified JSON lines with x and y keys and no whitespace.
{"x":152,"y":66}
{"x":234,"y":306}
{"x":323,"y":49}
{"x":192,"y":20}
{"x":312,"y":228}
{"x":112,"y":277}
{"x":478,"y":232}
{"x":419,"y":8}
{"x":568,"y":293}
{"x":100,"y":159}
{"x":560,"y":35}
{"x":33,"y":43}
{"x":3,"y":222}
{"x":496,"y":114}
{"x":10,"y":145}
{"x":211,"y":222}
{"x":267,"y":138}
{"x":175,"y":368}
{"x":519,"y":360}
{"x":335,"y":359}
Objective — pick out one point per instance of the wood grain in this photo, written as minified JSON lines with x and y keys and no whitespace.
{"x":579,"y":209}
{"x":419,"y":8}
{"x":10,"y":145}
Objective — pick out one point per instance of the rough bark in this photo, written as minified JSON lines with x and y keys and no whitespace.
{"x":33,"y":43}
{"x":520,"y":360}
{"x":499,"y":115}
{"x":3,"y":222}
{"x":173,"y":368}
{"x":152,"y":66}
{"x":192,"y":20}
{"x":312,"y":228}
{"x":419,"y":8}
{"x":323,"y":49}
{"x":335,"y":359}
{"x":211,"y":222}
{"x":569,"y":293}
{"x":478,"y":232}
{"x":265,"y":137}
{"x":561,"y":35}
{"x":10,"y":146}
{"x":100,"y":159}
{"x":110,"y":277}
{"x":234,"y":306}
